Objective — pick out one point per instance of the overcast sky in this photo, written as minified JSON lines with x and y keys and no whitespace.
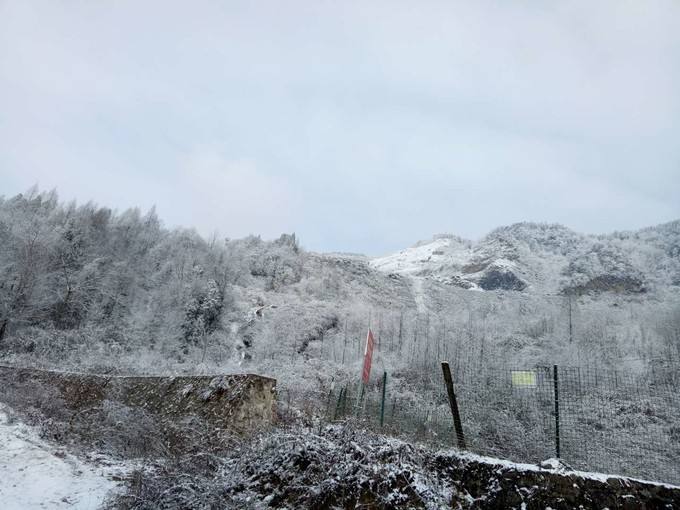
{"x":361,"y":126}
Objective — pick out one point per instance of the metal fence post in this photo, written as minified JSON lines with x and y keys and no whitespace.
{"x":556,"y":387}
{"x":453,"y":404}
{"x":338,"y":406}
{"x":382,"y":403}
{"x":328,"y":404}
{"x":360,"y":401}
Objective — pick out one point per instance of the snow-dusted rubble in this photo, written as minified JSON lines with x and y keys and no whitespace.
{"x":341,"y":467}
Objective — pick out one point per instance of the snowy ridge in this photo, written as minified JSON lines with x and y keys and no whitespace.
{"x":547,"y":258}
{"x":424,"y":255}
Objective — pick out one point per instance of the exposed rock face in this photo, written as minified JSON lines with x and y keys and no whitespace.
{"x":501,"y":280}
{"x":317,"y":332}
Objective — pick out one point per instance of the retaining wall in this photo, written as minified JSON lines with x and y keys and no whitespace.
{"x":239,"y":402}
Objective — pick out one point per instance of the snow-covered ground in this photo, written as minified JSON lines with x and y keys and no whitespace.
{"x":35,"y":474}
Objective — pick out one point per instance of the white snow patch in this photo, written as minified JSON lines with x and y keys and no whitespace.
{"x":412,"y":260}
{"x":35,"y":474}
{"x":419,"y":295}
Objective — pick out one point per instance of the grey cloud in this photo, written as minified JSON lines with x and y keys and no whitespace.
{"x":363,"y":126}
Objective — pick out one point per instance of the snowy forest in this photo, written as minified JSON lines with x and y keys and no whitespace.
{"x":85,"y":286}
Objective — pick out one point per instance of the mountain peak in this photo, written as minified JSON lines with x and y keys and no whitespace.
{"x":546,"y":257}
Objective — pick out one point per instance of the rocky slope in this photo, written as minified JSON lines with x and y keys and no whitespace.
{"x":548,"y":259}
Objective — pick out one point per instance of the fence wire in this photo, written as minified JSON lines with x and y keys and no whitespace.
{"x":610,"y":422}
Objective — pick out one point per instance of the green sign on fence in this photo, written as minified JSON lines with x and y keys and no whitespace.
{"x":524,"y":378}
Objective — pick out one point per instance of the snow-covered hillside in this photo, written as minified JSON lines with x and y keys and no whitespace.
{"x":82,"y":286}
{"x":547,"y":259}
{"x":426,"y":255}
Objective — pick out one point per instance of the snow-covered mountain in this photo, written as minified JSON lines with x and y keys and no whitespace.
{"x":547,"y":258}
{"x":83,"y":284}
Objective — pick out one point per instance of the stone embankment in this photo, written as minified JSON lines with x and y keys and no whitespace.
{"x":240,"y":403}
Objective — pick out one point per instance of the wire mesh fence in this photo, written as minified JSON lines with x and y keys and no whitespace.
{"x":592,"y":419}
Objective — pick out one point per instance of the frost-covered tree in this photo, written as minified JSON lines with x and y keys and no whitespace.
{"x":203,"y":312}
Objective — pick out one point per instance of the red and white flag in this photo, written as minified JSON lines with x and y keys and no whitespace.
{"x":368,"y":357}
